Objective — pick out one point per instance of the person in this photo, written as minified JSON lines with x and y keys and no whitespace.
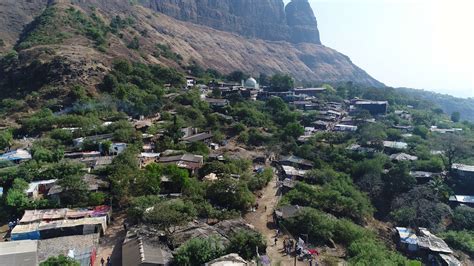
{"x":102,"y":261}
{"x":276,"y":240}
{"x":109,"y":263}
{"x":265,"y":208}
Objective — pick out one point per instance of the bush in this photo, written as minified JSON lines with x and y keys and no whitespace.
{"x":198,"y":251}
{"x":96,"y":198}
{"x":60,"y":260}
{"x":230,"y":194}
{"x":369,"y":251}
{"x":319,"y":226}
{"x":339,"y":197}
{"x":462,"y":240}
{"x":260,"y":180}
{"x":245,"y":243}
{"x":463,"y":218}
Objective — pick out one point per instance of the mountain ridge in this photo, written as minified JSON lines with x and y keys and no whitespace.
{"x":75,"y":57}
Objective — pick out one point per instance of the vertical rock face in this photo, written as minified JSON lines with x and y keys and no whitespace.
{"x":302,"y":22}
{"x":263,"y":19}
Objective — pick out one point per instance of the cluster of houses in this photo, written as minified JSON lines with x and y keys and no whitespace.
{"x":144,"y":245}
{"x":421,"y":243}
{"x":41,"y":234}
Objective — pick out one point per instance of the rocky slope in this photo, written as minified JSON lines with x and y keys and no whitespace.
{"x":264,"y":19}
{"x":76,"y":43}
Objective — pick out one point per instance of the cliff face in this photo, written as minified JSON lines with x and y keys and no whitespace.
{"x":302,"y":22}
{"x":263,"y":19}
{"x":71,"y":56}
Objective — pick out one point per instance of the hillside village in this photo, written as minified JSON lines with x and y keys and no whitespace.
{"x":188,"y":172}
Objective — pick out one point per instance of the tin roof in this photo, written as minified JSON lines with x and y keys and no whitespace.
{"x":463,"y":167}
{"x":407,"y":235}
{"x":462,"y":199}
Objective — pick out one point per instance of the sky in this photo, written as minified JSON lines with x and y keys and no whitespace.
{"x":422,"y":44}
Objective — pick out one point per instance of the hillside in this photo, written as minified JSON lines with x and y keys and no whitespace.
{"x":65,"y":48}
{"x":448,"y":103}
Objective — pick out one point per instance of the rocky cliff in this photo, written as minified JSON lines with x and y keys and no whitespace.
{"x":263,"y":19}
{"x":302,"y":22}
{"x":75,"y":41}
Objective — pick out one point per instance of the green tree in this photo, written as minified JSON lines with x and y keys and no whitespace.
{"x":463,"y":218}
{"x":398,"y":179}
{"x":456,"y":117}
{"x":455,"y":147}
{"x":16,"y":198}
{"x":231,"y":194}
{"x":139,"y":205}
{"x":60,"y":260}
{"x":317,"y":225}
{"x":149,"y":181}
{"x":245,"y":243}
{"x":292,"y":130}
{"x":96,"y":198}
{"x":6,"y":139}
{"x":421,"y":131}
{"x":198,"y":251}
{"x":237,"y":76}
{"x":75,"y":190}
{"x":282,"y":82}
{"x":373,"y":134}
{"x":168,"y":215}
{"x":122,"y":172}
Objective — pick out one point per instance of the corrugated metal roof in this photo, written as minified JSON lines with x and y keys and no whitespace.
{"x":431,"y":242}
{"x":407,"y":235}
{"x":462,"y":198}
{"x":463,"y":167}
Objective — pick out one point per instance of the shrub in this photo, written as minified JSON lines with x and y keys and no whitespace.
{"x":198,"y":251}
{"x":462,"y":240}
{"x":245,"y":243}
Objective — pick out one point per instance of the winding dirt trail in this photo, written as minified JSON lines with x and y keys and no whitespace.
{"x":263,"y":222}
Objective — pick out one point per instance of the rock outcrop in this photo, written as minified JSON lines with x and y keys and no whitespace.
{"x":302,"y":22}
{"x":262,"y":19}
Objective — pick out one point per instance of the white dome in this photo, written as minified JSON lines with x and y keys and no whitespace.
{"x":251,"y":83}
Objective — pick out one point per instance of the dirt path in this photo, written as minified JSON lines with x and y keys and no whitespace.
{"x":110,"y":245}
{"x":263,"y":222}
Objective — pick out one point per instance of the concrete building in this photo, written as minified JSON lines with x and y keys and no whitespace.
{"x":19,"y":253}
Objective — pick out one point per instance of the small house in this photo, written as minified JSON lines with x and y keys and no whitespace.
{"x":217,"y":103}
{"x":403,"y":157}
{"x":373,"y":107}
{"x":297,"y":162}
{"x":200,"y":137}
{"x":407,"y":239}
{"x":228,"y":260}
{"x":16,"y":156}
{"x":146,"y":158}
{"x":463,"y":170}
{"x":395,"y":145}
{"x":345,"y":128}
{"x":312,"y":92}
{"x":293,"y":173}
{"x":19,"y":253}
{"x":38,"y":189}
{"x":456,"y":200}
{"x":188,"y":161}
{"x":190,"y":82}
{"x":117,"y":148}
{"x":136,"y":251}
{"x":286,"y":212}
